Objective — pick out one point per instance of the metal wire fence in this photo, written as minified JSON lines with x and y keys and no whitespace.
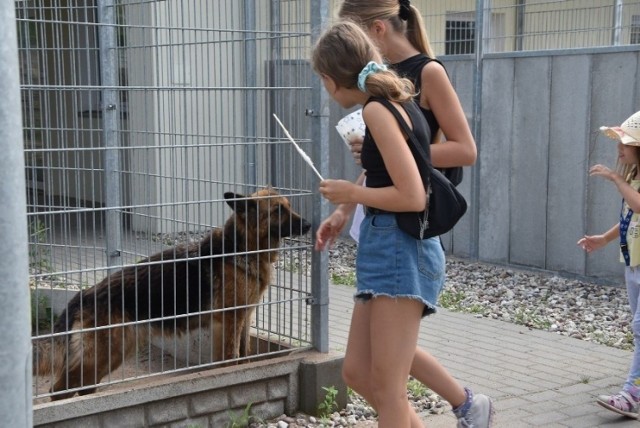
{"x":138,"y":117}
{"x":455,"y":26}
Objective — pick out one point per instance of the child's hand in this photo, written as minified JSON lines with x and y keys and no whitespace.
{"x":355,"y":143}
{"x":602,"y":171}
{"x":593,"y":242}
{"x":330,"y":229}
{"x":337,"y":191}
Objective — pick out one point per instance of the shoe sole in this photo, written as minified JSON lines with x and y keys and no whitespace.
{"x":608,"y":406}
{"x":492,"y":413}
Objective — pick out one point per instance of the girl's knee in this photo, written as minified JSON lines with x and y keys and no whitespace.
{"x":354,"y":376}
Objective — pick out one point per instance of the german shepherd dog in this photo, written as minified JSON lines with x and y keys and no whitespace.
{"x":225,"y":274}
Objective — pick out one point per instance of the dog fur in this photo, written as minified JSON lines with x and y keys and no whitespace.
{"x":226,"y":274}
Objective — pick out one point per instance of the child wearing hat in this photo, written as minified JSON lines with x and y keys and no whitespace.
{"x":627,"y":231}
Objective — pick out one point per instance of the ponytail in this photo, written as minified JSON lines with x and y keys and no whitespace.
{"x":416,"y":33}
{"x":387,"y":84}
{"x":401,"y":14}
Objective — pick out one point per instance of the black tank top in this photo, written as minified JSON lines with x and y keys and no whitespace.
{"x":411,"y":68}
{"x":375,"y":169}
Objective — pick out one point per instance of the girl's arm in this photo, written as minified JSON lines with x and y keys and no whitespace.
{"x":331,"y":228}
{"x":438,"y":95}
{"x":591,"y":243}
{"x":347,"y":208}
{"x":407,"y":192}
{"x":630,"y":195}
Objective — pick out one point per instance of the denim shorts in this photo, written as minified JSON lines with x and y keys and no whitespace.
{"x":391,"y":263}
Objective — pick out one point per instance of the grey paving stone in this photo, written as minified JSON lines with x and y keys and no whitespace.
{"x":536,"y":378}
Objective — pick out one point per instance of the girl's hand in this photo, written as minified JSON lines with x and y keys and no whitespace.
{"x":355,"y":143}
{"x":337,"y":191}
{"x":603,"y":171}
{"x":592,"y":243}
{"x":330,"y":229}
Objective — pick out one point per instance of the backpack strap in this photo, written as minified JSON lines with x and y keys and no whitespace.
{"x":422,"y":159}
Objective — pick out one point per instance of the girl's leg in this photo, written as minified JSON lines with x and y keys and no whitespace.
{"x":428,"y":370}
{"x":627,"y":401}
{"x":356,"y":367}
{"x":394,"y":325}
{"x":356,"y":370}
{"x":632,"y":385}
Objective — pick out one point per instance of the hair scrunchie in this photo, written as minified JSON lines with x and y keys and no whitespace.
{"x":370,"y":68}
{"x":405,"y":9}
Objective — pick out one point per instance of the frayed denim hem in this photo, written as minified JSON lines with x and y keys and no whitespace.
{"x":365,"y":295}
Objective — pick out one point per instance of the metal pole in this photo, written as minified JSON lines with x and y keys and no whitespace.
{"x":319,"y":119}
{"x":250,"y":100}
{"x":15,"y":334}
{"x":480,"y":40}
{"x":275,"y":45}
{"x":520,"y":16}
{"x":617,"y":22}
{"x":110,"y":133}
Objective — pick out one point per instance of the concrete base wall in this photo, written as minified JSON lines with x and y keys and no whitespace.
{"x":206,"y":399}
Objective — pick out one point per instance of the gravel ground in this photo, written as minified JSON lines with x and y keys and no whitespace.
{"x":538,"y":300}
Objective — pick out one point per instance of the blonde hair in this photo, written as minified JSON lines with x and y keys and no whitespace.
{"x":343,"y":50}
{"x":628,"y":171}
{"x":365,"y":12}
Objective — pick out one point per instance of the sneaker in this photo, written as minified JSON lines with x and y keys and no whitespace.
{"x":622,"y":403}
{"x":479,"y":415}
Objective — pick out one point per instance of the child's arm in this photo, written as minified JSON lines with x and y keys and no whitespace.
{"x":591,"y":243}
{"x":630,"y":195}
{"x":407,"y":193}
{"x":332,"y":226}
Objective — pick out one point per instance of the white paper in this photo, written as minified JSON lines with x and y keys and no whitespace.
{"x":350,"y":126}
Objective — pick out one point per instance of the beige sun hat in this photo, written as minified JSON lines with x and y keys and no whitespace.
{"x":628,"y":133}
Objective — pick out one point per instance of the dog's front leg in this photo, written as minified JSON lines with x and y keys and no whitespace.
{"x":234,"y":323}
{"x":245,"y":339}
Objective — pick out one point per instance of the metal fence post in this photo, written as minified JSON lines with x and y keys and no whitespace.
{"x":15,"y":334}
{"x":111,"y":114}
{"x":250,"y":98}
{"x":520,"y":14}
{"x":617,"y":22}
{"x":480,"y":43}
{"x":319,"y":115}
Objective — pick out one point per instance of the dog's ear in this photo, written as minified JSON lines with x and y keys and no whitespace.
{"x":239,"y":203}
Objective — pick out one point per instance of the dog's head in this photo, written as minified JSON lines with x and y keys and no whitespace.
{"x":266,"y":214}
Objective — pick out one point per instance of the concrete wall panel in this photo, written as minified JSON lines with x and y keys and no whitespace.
{"x":529,"y":166}
{"x":569,"y":133}
{"x":494,"y":160}
{"x":459,"y":241}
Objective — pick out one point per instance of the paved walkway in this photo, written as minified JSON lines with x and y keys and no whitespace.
{"x":536,"y":378}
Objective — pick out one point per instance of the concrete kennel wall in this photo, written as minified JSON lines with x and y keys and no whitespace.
{"x":204,"y":399}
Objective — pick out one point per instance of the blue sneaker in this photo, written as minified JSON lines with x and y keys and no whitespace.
{"x":479,"y":415}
